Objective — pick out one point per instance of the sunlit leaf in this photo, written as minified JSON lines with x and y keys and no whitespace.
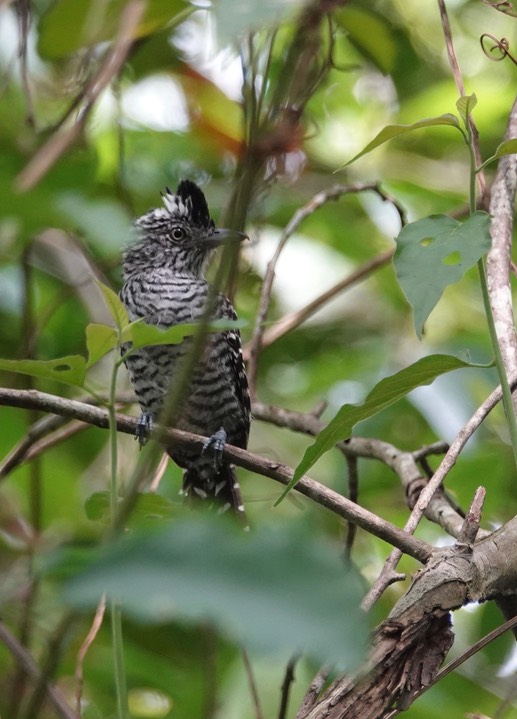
{"x":391,"y":131}
{"x":465,"y":105}
{"x":385,"y":393}
{"x":70,"y":369}
{"x":115,"y":306}
{"x":436,"y":252}
{"x":100,"y":339}
{"x":275,"y":590}
{"x":509,"y":147}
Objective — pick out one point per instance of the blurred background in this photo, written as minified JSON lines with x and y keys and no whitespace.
{"x":201,"y":85}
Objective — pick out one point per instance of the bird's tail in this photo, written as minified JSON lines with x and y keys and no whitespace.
{"x":225,"y":491}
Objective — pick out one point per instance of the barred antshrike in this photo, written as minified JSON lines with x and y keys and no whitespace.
{"x":164,"y":284}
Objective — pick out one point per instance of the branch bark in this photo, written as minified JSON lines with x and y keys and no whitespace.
{"x":498,"y":268}
{"x":409,"y":647}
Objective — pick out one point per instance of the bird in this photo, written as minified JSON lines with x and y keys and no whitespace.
{"x":164,"y":285}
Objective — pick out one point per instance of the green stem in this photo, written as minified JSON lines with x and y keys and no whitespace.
{"x":116,"y":614}
{"x":118,"y":656}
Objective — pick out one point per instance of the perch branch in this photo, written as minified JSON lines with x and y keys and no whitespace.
{"x":334,"y":502}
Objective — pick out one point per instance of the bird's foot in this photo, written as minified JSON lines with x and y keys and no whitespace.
{"x":144,"y":428}
{"x":215,"y":444}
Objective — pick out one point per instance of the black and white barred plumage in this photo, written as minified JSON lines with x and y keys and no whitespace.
{"x":164,"y":283}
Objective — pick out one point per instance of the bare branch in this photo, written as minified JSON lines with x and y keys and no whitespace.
{"x":456,"y":72}
{"x":333,"y":193}
{"x":286,"y":687}
{"x":423,"y":502}
{"x":498,"y":268}
{"x":334,"y":502}
{"x":294,"y":319}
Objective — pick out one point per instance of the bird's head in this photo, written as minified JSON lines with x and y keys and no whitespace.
{"x":180,"y":235}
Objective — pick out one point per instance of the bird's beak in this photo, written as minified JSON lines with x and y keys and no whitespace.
{"x":225,"y":237}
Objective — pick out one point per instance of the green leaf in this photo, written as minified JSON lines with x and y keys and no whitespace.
{"x":70,"y":369}
{"x":144,"y":335}
{"x":436,"y":252}
{"x":100,"y":339}
{"x":391,"y":131}
{"x":235,"y":18}
{"x":149,"y":506}
{"x":276,"y":590}
{"x":372,"y":34}
{"x":115,"y":306}
{"x":69,"y":25}
{"x":465,"y":105}
{"x":385,"y":393}
{"x":509,"y":147}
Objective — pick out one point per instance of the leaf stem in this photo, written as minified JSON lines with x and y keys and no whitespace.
{"x":118,"y":657}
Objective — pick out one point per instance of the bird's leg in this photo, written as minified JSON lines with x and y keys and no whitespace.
{"x":215,"y":444}
{"x":144,"y":428}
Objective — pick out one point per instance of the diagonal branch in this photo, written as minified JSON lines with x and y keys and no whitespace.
{"x":30,"y":667}
{"x":334,"y":502}
{"x":52,"y":150}
{"x":319,"y":200}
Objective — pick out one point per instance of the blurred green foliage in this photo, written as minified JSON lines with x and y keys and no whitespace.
{"x":389,"y":67}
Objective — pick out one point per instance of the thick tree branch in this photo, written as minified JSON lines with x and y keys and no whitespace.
{"x":409,"y":647}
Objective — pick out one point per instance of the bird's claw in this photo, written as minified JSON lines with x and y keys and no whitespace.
{"x":144,"y":428}
{"x":215,"y":444}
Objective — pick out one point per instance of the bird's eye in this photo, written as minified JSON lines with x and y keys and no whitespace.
{"x":178,"y":233}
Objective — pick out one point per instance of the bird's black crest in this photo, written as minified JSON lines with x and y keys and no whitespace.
{"x":192,"y":195}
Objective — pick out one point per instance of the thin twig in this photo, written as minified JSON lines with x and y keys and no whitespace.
{"x":31,"y":669}
{"x":456,"y":72}
{"x":439,"y":510}
{"x":54,"y":650}
{"x":253,"y":686}
{"x":24,"y":22}
{"x":48,"y":155}
{"x":422,"y":502}
{"x":286,"y":687}
{"x":472,"y":521}
{"x":83,"y":650}
{"x":294,"y":319}
{"x":353,"y":496}
{"x":333,"y":193}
